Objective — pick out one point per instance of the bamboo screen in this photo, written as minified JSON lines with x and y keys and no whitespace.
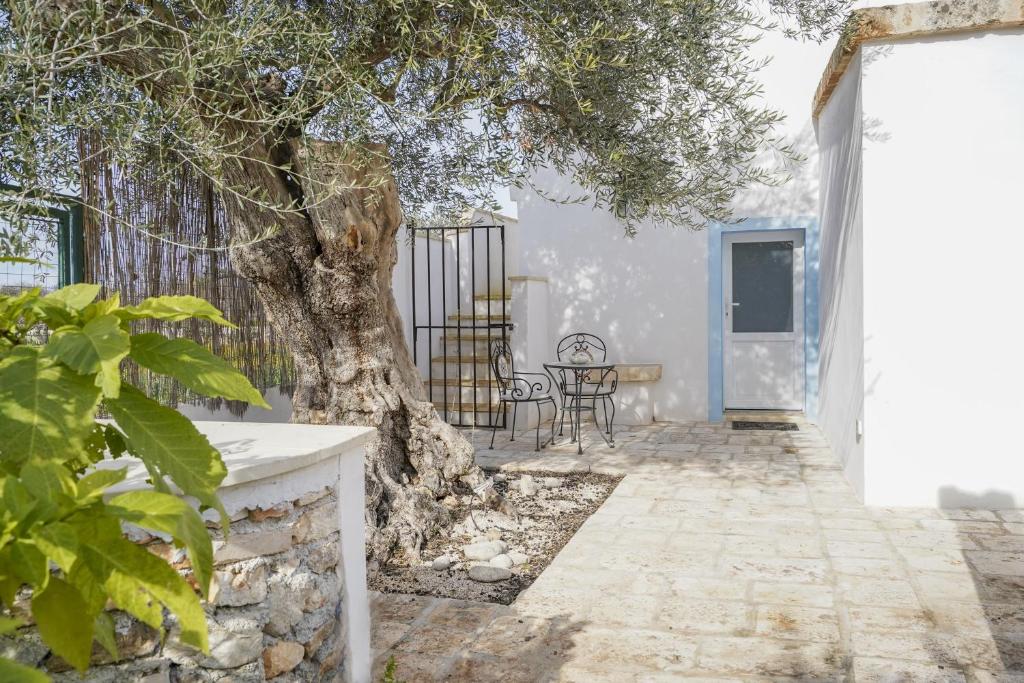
{"x":149,"y":237}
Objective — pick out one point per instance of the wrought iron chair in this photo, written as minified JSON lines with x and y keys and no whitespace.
{"x":519,"y":387}
{"x":592,"y":386}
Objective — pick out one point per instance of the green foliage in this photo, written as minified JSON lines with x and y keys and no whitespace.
{"x":653,"y":108}
{"x":61,"y":539}
{"x":389,"y":671}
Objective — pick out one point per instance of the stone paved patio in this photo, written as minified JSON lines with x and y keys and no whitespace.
{"x":727,"y":555}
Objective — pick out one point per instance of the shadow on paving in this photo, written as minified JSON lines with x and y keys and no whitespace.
{"x":439,"y":639}
{"x":994,"y":557}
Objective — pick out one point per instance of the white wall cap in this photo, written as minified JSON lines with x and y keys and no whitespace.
{"x":258,"y":450}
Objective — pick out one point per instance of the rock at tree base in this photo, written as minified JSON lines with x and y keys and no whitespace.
{"x":519,"y":558}
{"x":503,"y":561}
{"x":484,"y":551}
{"x":528,"y":486}
{"x":485,"y":573}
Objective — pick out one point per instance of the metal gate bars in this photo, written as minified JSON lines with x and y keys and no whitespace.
{"x":460,"y":306}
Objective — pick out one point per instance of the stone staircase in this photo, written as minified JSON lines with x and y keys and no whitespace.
{"x":461,"y":384}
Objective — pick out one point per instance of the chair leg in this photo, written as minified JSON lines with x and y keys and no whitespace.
{"x":607,"y":423}
{"x":611,"y":423}
{"x":515,"y":415}
{"x":554,"y":407}
{"x":494,"y":429}
{"x":561,"y":419}
{"x":538,"y":425}
{"x":572,"y":421}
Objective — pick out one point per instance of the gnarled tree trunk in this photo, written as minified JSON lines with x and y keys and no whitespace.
{"x":324,"y":277}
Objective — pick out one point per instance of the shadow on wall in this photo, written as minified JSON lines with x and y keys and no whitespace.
{"x":995,"y":558}
{"x":642,"y":296}
{"x":798,"y":195}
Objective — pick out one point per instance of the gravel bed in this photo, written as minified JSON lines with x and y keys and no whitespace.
{"x":551,"y":507}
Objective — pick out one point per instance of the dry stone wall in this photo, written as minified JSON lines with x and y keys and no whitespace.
{"x":274,"y":610}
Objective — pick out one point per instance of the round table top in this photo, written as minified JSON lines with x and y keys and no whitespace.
{"x":569,"y":365}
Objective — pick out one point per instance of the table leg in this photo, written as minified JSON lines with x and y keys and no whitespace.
{"x":579,"y":403}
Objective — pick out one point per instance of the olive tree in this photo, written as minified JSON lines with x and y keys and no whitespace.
{"x":322,"y":123}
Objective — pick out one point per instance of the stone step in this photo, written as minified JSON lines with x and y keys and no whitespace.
{"x":467,"y":371}
{"x":453,"y":346}
{"x":472,"y":336}
{"x":468,"y":406}
{"x":479,"y":414}
{"x":494,"y":303}
{"x":482,"y":382}
{"x":467,"y":394}
{"x":494,"y":317}
{"x":483,"y":388}
{"x":465,"y":359}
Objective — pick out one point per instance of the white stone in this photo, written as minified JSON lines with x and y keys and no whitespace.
{"x":247,"y":546}
{"x":518,"y":558}
{"x":441,"y":563}
{"x":528,"y":486}
{"x":285,"y":610}
{"x":485,"y":573}
{"x":232,"y":589}
{"x":503,"y":561}
{"x":157,"y":677}
{"x":228,"y":649}
{"x":551,"y":482}
{"x":323,"y":557}
{"x":484,"y":551}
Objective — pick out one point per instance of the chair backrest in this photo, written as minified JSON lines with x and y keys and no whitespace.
{"x":582,"y":341}
{"x":501,"y":364}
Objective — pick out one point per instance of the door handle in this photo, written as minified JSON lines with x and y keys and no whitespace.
{"x":735,"y":303}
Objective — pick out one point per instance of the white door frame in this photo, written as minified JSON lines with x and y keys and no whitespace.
{"x":795,"y":398}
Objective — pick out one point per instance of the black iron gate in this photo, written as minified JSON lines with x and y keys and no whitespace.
{"x":460,"y":306}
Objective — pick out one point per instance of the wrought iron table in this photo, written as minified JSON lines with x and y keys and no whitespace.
{"x":585,"y":375}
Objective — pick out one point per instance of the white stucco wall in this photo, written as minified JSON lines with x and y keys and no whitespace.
{"x":646,"y":297}
{"x":841,"y":279}
{"x":943,"y":144}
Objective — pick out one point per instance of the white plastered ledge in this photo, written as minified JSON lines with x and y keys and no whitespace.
{"x":258,"y":450}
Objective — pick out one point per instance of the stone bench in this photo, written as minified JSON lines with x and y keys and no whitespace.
{"x":633,"y":403}
{"x":289,"y":593}
{"x":638,"y":372}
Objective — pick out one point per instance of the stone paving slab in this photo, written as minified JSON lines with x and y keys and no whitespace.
{"x":725,"y":556}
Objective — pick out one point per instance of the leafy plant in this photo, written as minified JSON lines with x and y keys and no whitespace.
{"x":62,"y":548}
{"x":389,"y":671}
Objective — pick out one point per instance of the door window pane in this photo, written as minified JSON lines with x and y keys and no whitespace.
{"x":762,"y":285}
